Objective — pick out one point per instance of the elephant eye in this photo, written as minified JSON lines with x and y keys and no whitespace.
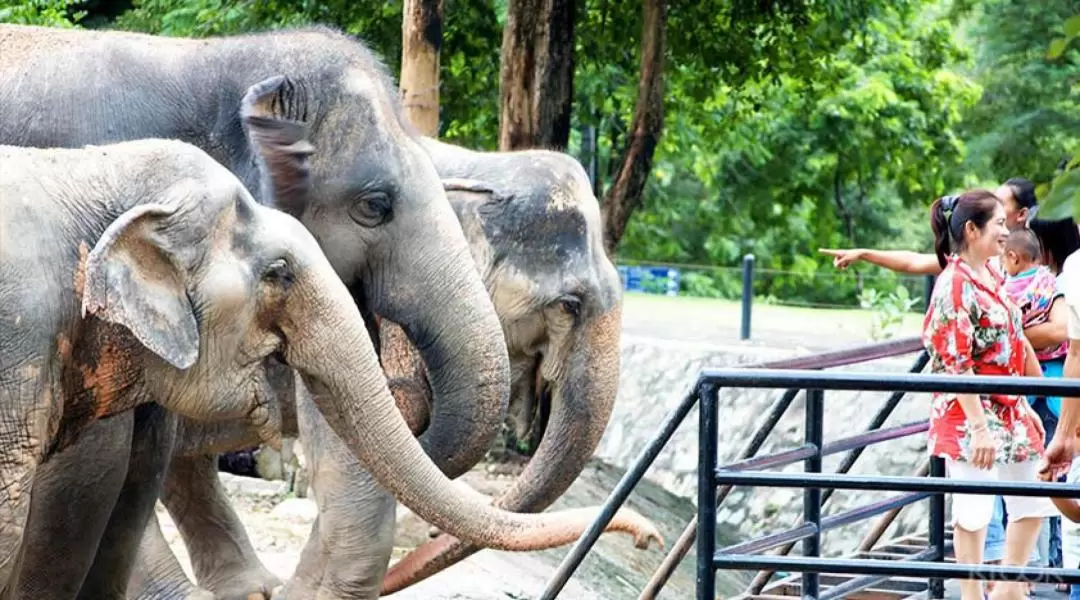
{"x":278,"y":271}
{"x":370,"y":209}
{"x":571,"y":306}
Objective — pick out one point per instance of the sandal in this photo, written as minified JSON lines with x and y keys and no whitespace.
{"x":1062,"y":587}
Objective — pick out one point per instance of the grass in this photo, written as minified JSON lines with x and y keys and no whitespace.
{"x":689,"y":317}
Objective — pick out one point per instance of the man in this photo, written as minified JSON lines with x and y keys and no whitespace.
{"x":1062,"y":448}
{"x":1018,"y":194}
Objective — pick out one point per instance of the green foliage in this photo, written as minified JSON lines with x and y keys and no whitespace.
{"x":1027,"y":119}
{"x":888,"y":308}
{"x":46,"y":13}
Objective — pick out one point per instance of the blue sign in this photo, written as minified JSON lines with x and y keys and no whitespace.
{"x":650,"y":280}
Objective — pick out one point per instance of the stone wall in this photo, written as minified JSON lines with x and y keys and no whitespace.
{"x":657,"y":374}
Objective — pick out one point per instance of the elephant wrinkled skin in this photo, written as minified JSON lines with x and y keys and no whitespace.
{"x":533,"y":228}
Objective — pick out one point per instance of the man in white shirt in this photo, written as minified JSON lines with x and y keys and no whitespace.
{"x":1062,"y":449}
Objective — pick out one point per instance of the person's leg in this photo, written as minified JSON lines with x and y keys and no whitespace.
{"x":972,"y":514}
{"x":1026,"y":516}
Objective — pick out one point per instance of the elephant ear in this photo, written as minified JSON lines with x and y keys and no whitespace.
{"x":273,"y":112}
{"x":134,"y":278}
{"x":482,"y":195}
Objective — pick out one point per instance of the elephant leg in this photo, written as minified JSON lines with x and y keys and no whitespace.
{"x":352,"y":539}
{"x":222,"y":555}
{"x":157,"y":574}
{"x":74,"y":494}
{"x":154,"y":432}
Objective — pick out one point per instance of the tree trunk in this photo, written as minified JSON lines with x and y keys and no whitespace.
{"x":421,"y":39}
{"x":625,"y":194}
{"x":536,"y":79}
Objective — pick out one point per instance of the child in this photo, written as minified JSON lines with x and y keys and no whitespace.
{"x":1031,"y":286}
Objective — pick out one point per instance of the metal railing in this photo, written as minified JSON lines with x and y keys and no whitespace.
{"x":928,"y":563}
{"x":836,"y":358}
{"x":804,"y":374}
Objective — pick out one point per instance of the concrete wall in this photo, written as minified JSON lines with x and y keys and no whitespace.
{"x":657,"y":374}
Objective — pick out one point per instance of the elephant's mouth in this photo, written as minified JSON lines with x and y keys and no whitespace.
{"x":537,"y":418}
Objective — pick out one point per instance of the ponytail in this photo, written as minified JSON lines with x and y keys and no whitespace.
{"x":941,"y":212}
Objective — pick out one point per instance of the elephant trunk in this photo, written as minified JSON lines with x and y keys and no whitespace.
{"x":582,"y":405}
{"x":330,"y":348}
{"x":453,"y":325}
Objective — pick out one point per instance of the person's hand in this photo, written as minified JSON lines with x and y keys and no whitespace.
{"x":1058,"y":456}
{"x":842,"y":259}
{"x":983,"y":448}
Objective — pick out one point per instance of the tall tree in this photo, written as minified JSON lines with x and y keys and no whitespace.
{"x":536,"y":79}
{"x":421,"y":40}
{"x":628,"y":186}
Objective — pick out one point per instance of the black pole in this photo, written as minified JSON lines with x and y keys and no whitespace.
{"x":813,"y":434}
{"x":928,"y":291}
{"x":747,"y":294}
{"x":709,"y":396}
{"x":937,"y":528}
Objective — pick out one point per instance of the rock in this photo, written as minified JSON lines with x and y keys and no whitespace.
{"x":297,"y":510}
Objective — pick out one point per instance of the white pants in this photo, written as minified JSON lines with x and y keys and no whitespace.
{"x":973,"y":511}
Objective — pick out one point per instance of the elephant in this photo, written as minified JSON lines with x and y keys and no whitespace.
{"x":145,"y":270}
{"x":533,"y":227}
{"x":309,"y":112}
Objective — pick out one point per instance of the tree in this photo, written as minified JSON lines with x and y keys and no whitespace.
{"x":625,"y":193}
{"x":536,"y":80}
{"x":421,"y":35}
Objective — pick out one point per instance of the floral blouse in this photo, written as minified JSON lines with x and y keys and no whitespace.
{"x":972,"y":326}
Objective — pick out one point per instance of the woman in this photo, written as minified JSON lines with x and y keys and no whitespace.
{"x":972,"y":328}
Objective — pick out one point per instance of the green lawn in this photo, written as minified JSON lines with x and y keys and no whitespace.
{"x":706,"y":318}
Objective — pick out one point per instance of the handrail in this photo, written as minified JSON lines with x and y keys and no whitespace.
{"x":644,"y":460}
{"x":834,"y":359}
{"x":930,"y":562}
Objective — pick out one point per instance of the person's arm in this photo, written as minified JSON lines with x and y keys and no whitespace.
{"x":901,"y":261}
{"x":1069,"y":420}
{"x":1054,"y":330}
{"x":1069,"y":507}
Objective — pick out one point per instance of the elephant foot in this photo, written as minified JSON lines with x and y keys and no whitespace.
{"x":256,"y":584}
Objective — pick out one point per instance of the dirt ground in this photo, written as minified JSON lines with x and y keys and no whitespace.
{"x":279,"y":524}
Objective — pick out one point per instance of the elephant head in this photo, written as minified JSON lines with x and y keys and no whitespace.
{"x":345,"y":163}
{"x":213,"y":285}
{"x":533,"y":226}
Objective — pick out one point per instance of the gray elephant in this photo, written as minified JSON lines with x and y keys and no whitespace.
{"x":352,"y":172}
{"x":534,"y":230}
{"x":145,"y":270}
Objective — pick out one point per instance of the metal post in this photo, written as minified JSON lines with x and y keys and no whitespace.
{"x":709,"y":399}
{"x":813,"y":434}
{"x":747,"y":294}
{"x":928,"y":291}
{"x":594,"y":161}
{"x":937,"y":528}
